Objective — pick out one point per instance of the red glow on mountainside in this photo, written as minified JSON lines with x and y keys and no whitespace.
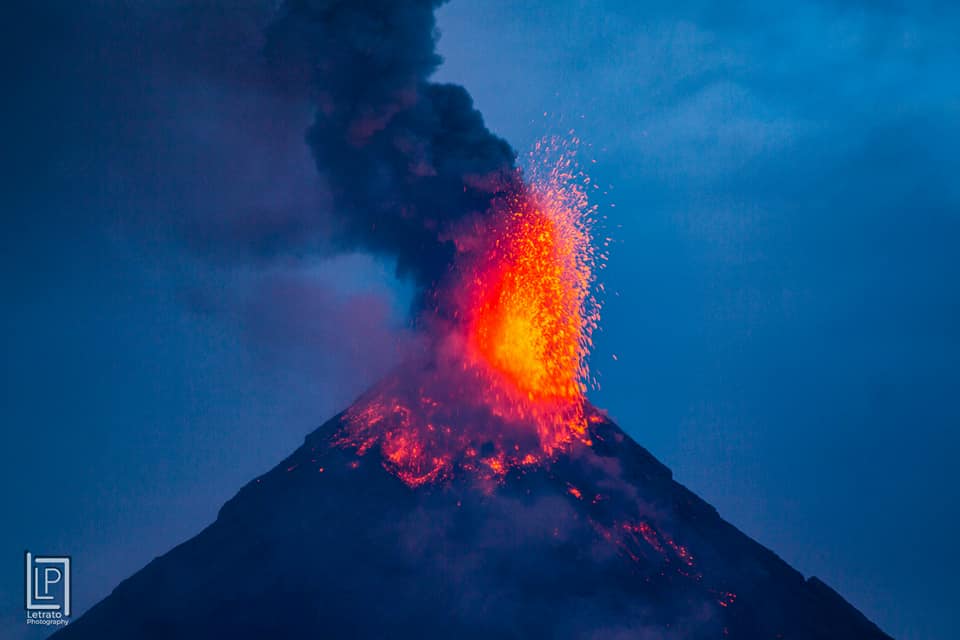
{"x":503,"y":385}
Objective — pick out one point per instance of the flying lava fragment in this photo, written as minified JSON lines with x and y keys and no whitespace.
{"x":516,"y":355}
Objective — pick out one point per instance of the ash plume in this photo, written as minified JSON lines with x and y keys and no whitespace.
{"x":407,"y":161}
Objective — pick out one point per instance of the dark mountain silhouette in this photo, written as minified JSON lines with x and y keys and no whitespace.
{"x":600,"y":542}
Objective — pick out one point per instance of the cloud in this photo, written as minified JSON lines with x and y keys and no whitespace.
{"x":406,"y":160}
{"x":305,"y":321}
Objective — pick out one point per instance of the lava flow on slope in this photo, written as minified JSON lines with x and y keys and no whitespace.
{"x":502,"y":384}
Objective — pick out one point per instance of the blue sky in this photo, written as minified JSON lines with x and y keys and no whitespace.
{"x":783,"y":300}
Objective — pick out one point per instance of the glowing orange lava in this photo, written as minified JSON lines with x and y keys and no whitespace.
{"x":533,"y":314}
{"x":504,"y":387}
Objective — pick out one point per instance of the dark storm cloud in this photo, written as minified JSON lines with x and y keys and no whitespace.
{"x":404,"y":158}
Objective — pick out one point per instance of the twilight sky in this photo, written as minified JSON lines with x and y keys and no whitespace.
{"x":784,"y":305}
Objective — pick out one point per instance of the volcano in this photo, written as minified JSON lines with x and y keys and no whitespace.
{"x":476,"y":493}
{"x":597,"y":542}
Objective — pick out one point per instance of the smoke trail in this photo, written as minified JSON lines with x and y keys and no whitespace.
{"x":407,"y":160}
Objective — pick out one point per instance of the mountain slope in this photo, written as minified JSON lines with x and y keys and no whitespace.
{"x":599,"y":542}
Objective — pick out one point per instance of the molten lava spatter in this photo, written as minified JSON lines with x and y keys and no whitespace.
{"x":531,"y":310}
{"x":502,"y":387}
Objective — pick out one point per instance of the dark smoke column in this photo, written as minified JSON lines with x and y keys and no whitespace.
{"x":408,"y":161}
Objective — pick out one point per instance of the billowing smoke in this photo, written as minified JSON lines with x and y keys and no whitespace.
{"x":407,"y":160}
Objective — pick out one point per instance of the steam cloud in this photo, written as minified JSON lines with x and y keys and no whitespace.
{"x":407,"y":160}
